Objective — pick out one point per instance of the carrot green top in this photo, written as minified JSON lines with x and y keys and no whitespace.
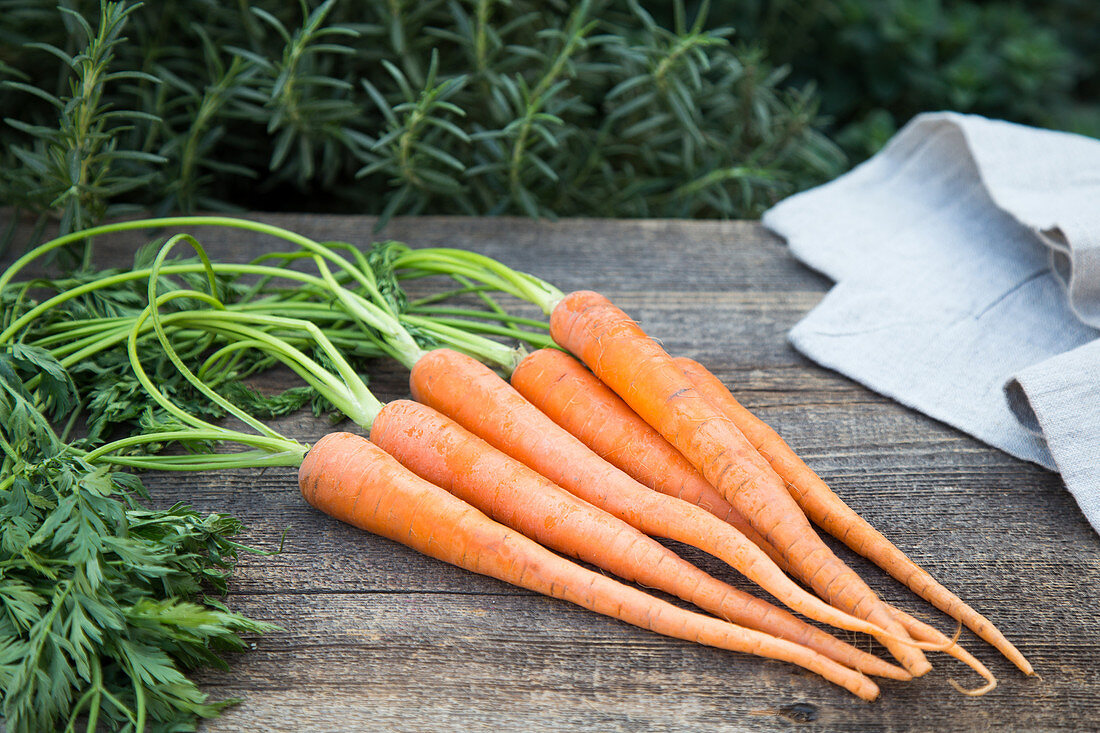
{"x":349,"y":307}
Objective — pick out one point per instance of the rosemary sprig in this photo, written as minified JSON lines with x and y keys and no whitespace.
{"x":76,"y":167}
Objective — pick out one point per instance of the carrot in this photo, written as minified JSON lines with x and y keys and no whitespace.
{"x":570,"y":395}
{"x":356,"y":482}
{"x":644,"y":375}
{"x":827,"y":510}
{"x":472,"y":395}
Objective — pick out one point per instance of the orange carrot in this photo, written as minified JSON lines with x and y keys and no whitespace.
{"x":354,"y":481}
{"x":827,"y":510}
{"x":472,"y":395}
{"x":644,"y":375}
{"x":570,"y":395}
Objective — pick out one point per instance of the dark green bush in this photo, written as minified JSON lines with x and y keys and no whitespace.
{"x":879,"y":62}
{"x":604,"y":108}
{"x":490,"y":106}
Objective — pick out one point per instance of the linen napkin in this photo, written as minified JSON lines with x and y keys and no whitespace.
{"x":966,"y":256}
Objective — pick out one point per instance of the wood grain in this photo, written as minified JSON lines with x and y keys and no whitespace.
{"x":380,"y":638}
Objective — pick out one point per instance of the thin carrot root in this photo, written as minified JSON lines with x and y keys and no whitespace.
{"x":920,"y":630}
{"x":930,"y":646}
{"x":956,"y":635}
{"x":976,"y":691}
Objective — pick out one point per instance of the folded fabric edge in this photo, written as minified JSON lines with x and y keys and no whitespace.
{"x":1057,"y":393}
{"x":1021,"y":407}
{"x":1068,"y":255}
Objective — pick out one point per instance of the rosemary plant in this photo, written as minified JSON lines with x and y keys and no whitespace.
{"x":489,"y":107}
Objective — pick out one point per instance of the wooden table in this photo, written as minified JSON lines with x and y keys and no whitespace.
{"x":380,"y":638}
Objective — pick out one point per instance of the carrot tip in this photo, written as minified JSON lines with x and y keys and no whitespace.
{"x":919,"y":670}
{"x":897,"y":673}
{"x":977,"y":691}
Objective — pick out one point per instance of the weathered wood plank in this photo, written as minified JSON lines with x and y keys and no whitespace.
{"x":378,"y":637}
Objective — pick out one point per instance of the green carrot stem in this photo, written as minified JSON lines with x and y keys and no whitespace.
{"x":270,"y":453}
{"x":480,"y":268}
{"x":432,"y":311}
{"x":471,"y":329}
{"x":365,"y":279}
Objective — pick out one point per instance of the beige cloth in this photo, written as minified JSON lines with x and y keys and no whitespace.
{"x":967,"y":261}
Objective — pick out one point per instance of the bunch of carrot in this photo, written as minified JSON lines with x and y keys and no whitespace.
{"x":592,"y":463}
{"x":590,"y":458}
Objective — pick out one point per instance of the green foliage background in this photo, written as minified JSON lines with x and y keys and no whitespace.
{"x":603,"y":108}
{"x":491,"y":107}
{"x":879,"y":62}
